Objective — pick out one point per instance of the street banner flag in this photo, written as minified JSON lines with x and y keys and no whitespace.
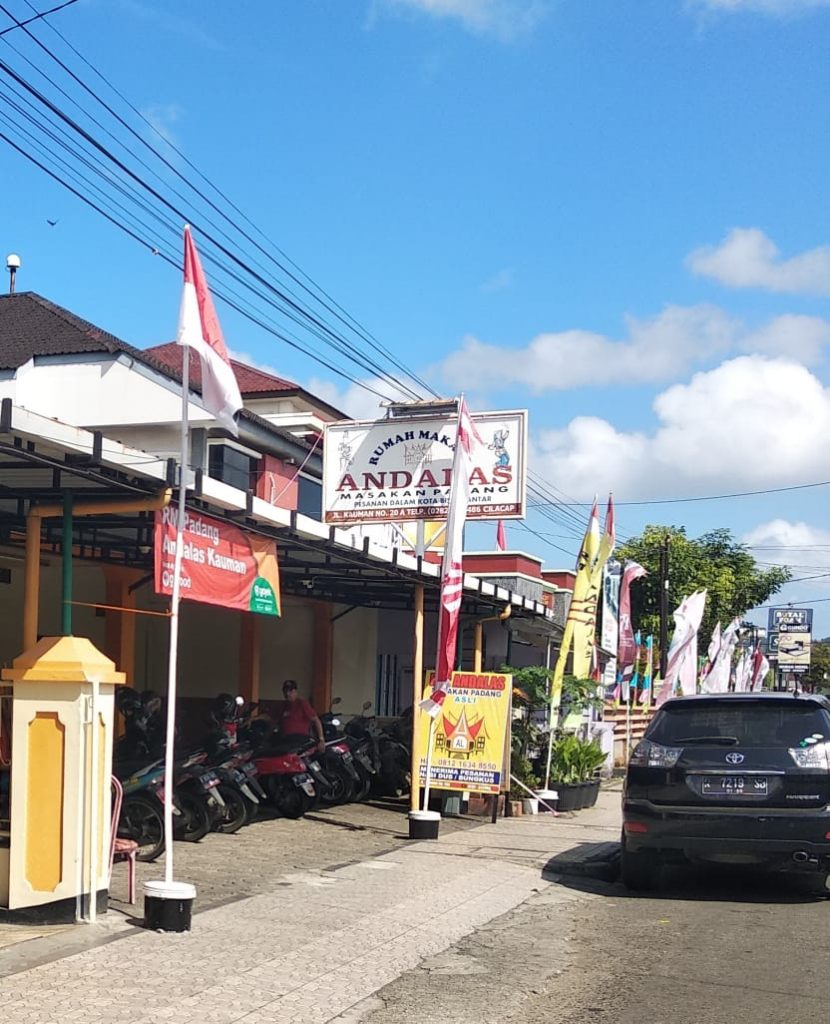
{"x":635,"y":676}
{"x":760,"y":668}
{"x":682,"y":656}
{"x":625,"y":644}
{"x":645,"y":695}
{"x":501,"y":536}
{"x":717,"y":678}
{"x":581,"y":624}
{"x":711,"y":655}
{"x":199,"y":329}
{"x":452,"y":573}
{"x":743,"y":672}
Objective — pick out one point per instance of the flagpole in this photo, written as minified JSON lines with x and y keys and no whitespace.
{"x":172,"y":665}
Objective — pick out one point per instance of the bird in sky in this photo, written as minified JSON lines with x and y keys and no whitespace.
{"x":51,"y":223}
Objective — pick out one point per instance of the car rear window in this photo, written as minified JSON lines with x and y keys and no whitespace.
{"x":761,"y":723}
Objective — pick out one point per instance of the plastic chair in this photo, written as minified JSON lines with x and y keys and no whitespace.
{"x":121,"y":849}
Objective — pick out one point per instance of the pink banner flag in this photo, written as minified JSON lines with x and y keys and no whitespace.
{"x":452,"y":573}
{"x":501,"y":536}
{"x":199,"y":329}
{"x":760,"y":668}
{"x":626,"y":645}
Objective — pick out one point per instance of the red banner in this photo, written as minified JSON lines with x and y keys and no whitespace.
{"x":221,"y":564}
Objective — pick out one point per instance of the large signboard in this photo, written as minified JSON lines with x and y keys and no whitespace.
{"x":791,"y":620}
{"x":221,"y":564}
{"x":400,"y":469}
{"x":469,"y":742}
{"x":794,"y":652}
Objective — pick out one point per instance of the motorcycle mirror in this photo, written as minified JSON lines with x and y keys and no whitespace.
{"x":336,"y":701}
{"x":366,"y":705}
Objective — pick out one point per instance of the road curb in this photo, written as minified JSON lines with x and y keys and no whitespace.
{"x":602,"y":863}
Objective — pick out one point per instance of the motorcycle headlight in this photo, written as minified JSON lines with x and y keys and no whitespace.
{"x":652,"y":755}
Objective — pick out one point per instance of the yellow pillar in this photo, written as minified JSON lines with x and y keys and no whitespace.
{"x":479,"y":637}
{"x":58,"y":857}
{"x":323,"y":650}
{"x":250,"y":635}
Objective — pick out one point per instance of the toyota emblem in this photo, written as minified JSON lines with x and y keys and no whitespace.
{"x":735,"y":758}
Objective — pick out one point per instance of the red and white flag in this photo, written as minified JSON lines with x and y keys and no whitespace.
{"x":501,"y":537}
{"x":199,"y":329}
{"x":760,"y":668}
{"x":452,"y":572}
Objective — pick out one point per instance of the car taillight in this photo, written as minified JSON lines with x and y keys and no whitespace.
{"x":814,"y":755}
{"x":652,"y":755}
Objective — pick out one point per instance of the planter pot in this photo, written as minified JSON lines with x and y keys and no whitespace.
{"x":530,"y":805}
{"x":569,"y":794}
{"x":592,"y":793}
{"x":584,"y":795}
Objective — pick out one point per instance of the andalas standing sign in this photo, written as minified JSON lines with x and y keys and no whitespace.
{"x":221,"y":564}
{"x":398,"y":470}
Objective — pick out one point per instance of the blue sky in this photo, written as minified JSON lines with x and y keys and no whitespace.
{"x":613,"y":214}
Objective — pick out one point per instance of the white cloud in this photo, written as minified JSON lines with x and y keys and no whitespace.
{"x":501,"y":280}
{"x":781,"y":8}
{"x":747,"y":258}
{"x":752,"y":422}
{"x":163,"y":117}
{"x":801,"y":338}
{"x":505,"y":19}
{"x":655,"y":350}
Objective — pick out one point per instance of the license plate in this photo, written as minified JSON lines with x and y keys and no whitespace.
{"x":209,"y":779}
{"x":308,"y":786}
{"x":249,"y":769}
{"x":734,"y":785}
{"x":347,"y":757}
{"x":239,"y":776}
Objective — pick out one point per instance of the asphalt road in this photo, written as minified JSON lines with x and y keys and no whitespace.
{"x":711,"y":947}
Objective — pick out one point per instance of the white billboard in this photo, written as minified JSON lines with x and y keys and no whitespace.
{"x":398,"y":470}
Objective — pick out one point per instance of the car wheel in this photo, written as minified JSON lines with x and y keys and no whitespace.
{"x":819,"y":884}
{"x":639,"y":871}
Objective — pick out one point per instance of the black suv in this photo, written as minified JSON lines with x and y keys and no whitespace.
{"x":732,"y":779}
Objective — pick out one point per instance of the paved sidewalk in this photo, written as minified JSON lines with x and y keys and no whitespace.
{"x":319,"y":943}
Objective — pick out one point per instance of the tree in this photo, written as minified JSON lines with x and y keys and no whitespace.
{"x":715,"y":561}
{"x":818,"y":678}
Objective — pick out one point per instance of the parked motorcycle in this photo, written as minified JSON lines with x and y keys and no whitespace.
{"x":359,"y":748}
{"x":390,"y":756}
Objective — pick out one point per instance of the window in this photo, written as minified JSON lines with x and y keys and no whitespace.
{"x":310,"y":498}
{"x":231,"y":466}
{"x":740,"y":721}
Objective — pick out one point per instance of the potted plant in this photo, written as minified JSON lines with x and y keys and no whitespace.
{"x":520,"y":798}
{"x":574,"y":763}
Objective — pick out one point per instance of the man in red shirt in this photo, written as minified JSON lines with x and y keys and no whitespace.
{"x":298,"y":717}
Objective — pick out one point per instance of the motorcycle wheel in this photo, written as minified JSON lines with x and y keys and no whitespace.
{"x":195,"y":820}
{"x":364,"y":786}
{"x":251,"y":810}
{"x":142,"y":820}
{"x":336,"y":792}
{"x":290,"y":800}
{"x":234,"y":814}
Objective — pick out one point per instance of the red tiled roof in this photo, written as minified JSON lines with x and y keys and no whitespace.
{"x":252,"y":382}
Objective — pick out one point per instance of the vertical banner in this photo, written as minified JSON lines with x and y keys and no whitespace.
{"x":612,"y":581}
{"x":469,"y":745}
{"x":682,"y":656}
{"x":626,"y":645}
{"x":645,"y":694}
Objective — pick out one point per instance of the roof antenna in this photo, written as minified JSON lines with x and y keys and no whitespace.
{"x":12,"y":265}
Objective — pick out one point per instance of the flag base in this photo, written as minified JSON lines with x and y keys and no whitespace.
{"x":424,"y":824}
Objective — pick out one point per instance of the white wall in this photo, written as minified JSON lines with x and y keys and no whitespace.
{"x":354,"y":657}
{"x":287,"y":648}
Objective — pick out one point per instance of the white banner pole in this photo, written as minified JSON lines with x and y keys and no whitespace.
{"x":172,"y":665}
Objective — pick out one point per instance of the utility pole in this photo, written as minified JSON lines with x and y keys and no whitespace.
{"x":664,"y":606}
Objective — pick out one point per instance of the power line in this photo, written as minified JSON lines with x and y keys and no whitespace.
{"x":37,"y":17}
{"x":374,"y":368}
{"x":712,"y":497}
